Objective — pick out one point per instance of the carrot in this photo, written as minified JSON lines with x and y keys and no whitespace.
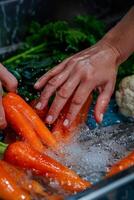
{"x":20,"y":177}
{"x":121,"y":165}
{"x":20,"y":154}
{"x":59,"y":131}
{"x":34,"y":120}
{"x":25,"y":182}
{"x":41,"y":113}
{"x":9,"y":190}
{"x":21,"y":125}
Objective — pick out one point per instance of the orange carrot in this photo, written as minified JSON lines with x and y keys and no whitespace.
{"x":25,"y":182}
{"x":20,"y":177}
{"x":60,"y":131}
{"x":9,"y":190}
{"x":43,"y":132}
{"x":21,"y":125}
{"x":20,"y":154}
{"x":121,"y":165}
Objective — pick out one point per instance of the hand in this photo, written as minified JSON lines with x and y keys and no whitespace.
{"x":8,"y":81}
{"x":79,"y":75}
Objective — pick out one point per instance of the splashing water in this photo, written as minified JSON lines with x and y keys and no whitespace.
{"x":91,"y":152}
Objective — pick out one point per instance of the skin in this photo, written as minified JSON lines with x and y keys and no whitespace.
{"x":79,"y":75}
{"x":9,"y":82}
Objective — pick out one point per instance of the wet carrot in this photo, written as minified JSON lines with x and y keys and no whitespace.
{"x":21,"y":125}
{"x":9,"y":190}
{"x":25,"y":182}
{"x":34,"y":120}
{"x":60,"y":131}
{"x":22,"y":155}
{"x":121,"y":165}
{"x":20,"y":177}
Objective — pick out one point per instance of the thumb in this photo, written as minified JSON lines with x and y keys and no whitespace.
{"x":3,"y":122}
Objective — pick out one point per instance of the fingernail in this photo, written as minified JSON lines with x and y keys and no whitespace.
{"x":38,"y":106}
{"x":49,"y":118}
{"x":36,"y":84}
{"x":101,"y":117}
{"x":66,"y":122}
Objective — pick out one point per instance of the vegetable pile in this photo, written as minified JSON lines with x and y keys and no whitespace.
{"x":27,"y":152}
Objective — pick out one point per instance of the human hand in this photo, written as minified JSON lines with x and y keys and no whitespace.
{"x":9,"y":82}
{"x":78,"y":76}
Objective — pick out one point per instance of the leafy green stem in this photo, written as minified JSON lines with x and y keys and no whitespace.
{"x":24,"y":54}
{"x":3,"y":147}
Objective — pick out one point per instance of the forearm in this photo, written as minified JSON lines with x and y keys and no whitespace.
{"x":121,"y":37}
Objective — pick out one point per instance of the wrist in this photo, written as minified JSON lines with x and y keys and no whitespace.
{"x":121,"y":36}
{"x":111,"y":49}
{"x":122,"y":49}
{"x":112,"y":44}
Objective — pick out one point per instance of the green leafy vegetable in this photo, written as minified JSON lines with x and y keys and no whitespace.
{"x":49,"y":44}
{"x":3,"y":147}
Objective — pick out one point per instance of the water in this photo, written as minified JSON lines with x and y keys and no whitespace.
{"x":91,"y":152}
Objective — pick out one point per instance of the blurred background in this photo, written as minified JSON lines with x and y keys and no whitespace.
{"x":15,"y":15}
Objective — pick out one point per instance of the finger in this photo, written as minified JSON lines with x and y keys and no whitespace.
{"x":7,"y":79}
{"x":78,"y":101}
{"x":102,"y":101}
{"x":46,"y":77}
{"x":100,"y":89}
{"x":51,"y":87}
{"x":3,"y":123}
{"x":62,"y":97}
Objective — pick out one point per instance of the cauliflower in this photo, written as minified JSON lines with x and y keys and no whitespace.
{"x":125,"y":96}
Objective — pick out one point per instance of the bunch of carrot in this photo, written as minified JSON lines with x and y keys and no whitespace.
{"x":22,"y":155}
{"x":29,"y":153}
{"x":24,"y":120}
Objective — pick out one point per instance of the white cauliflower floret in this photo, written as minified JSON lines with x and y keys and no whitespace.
{"x":125,"y":96}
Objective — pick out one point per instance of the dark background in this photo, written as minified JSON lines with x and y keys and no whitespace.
{"x":15,"y":15}
{"x":108,"y":10}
